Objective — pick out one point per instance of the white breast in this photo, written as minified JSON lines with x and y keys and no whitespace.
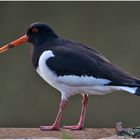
{"x":44,"y":71}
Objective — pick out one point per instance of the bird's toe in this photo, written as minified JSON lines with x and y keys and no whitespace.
{"x":73,"y":127}
{"x":49,"y":128}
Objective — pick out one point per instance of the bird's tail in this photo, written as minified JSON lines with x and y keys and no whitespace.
{"x":137,"y":91}
{"x":131,"y":88}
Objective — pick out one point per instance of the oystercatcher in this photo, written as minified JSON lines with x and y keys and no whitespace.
{"x":73,"y":68}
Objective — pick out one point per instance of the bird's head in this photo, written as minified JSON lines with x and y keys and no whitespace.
{"x":39,"y":32}
{"x":36,"y":34}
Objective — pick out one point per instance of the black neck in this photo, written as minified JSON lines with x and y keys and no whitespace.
{"x":38,"y":49}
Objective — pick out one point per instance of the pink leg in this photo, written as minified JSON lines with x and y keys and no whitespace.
{"x":55,"y":125}
{"x":80,"y":125}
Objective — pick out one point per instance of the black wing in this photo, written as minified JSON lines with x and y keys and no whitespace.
{"x":80,"y":60}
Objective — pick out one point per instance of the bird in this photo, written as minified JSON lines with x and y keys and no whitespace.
{"x":72,"y":68}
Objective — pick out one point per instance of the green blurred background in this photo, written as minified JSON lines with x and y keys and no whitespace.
{"x":113,"y":28}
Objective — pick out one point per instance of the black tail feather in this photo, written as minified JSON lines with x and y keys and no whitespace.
{"x":138,"y":92}
{"x":138,"y":89}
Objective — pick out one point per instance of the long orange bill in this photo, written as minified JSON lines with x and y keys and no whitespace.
{"x":15,"y":43}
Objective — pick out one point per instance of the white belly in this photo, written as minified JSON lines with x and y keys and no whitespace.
{"x":70,"y":85}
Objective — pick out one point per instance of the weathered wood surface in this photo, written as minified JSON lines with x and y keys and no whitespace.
{"x":88,"y":133}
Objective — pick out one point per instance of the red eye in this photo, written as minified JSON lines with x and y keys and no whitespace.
{"x":34,"y":30}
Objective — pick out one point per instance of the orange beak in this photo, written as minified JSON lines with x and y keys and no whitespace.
{"x":15,"y":43}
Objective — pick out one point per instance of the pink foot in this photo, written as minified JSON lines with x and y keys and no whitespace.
{"x":74,"y":127}
{"x":49,"y":128}
{"x":55,"y":125}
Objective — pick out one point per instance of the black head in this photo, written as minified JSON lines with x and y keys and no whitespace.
{"x":39,"y":33}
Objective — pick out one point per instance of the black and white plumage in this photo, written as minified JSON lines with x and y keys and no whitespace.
{"x":67,"y":64}
{"x":73,"y":68}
